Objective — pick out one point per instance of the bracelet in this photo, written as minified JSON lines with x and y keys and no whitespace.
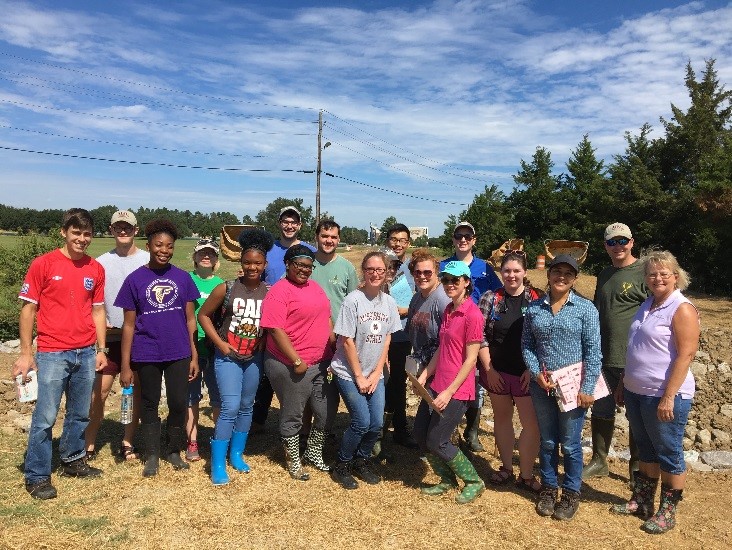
{"x":101,"y":349}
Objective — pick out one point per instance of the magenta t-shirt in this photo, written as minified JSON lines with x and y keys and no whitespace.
{"x":456,"y":331}
{"x":303,"y":312}
{"x":159,"y":299}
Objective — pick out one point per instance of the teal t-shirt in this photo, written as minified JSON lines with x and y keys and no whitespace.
{"x":205,"y":287}
{"x":338,"y":279}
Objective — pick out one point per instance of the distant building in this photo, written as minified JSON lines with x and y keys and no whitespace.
{"x":374,"y":233}
{"x":417,"y":232}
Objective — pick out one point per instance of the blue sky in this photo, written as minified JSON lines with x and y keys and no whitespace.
{"x":432,"y":100}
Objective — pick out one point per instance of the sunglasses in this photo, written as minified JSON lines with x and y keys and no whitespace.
{"x":427,"y":273}
{"x":519,"y":253}
{"x":622,"y":241}
{"x":450,"y":280}
{"x":463,"y":236}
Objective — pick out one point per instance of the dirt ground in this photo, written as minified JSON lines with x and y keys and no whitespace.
{"x":266,"y":509}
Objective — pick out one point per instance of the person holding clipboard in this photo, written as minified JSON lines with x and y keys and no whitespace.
{"x":452,"y":369}
{"x":561,"y":329}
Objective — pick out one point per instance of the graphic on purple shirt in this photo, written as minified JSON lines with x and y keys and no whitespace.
{"x":159,"y":298}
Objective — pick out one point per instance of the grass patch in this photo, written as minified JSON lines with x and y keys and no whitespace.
{"x":26,"y":510}
{"x":145,"y":512}
{"x":86,"y":526}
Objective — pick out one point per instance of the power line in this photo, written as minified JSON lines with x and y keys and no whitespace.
{"x":147,"y":147}
{"x":145,"y":163}
{"x":396,"y":146}
{"x":392,"y":191}
{"x":401,"y":169}
{"x":403,"y":157}
{"x":94,"y":93}
{"x":152,"y":86}
{"x":169,"y":124}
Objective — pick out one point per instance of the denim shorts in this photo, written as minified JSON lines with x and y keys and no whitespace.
{"x":658,"y":442}
{"x":207,"y":374}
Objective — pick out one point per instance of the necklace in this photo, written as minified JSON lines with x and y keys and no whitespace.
{"x":656,"y":305}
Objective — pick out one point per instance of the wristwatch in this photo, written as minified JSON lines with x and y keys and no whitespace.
{"x":297,"y":362}
{"x":102,"y":350}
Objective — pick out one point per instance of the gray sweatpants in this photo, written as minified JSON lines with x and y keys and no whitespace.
{"x":294,"y":391}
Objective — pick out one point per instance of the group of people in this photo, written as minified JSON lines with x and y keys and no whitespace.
{"x":300,"y":323}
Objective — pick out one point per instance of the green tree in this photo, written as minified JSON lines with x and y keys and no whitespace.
{"x":102,"y":215}
{"x":351,"y":235}
{"x":388,"y":222}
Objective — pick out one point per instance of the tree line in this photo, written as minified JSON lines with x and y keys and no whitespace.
{"x":674,"y":191}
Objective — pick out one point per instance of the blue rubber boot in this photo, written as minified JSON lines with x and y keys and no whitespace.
{"x":218,"y":461}
{"x":236,"y":450}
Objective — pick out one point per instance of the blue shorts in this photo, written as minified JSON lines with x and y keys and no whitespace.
{"x":658,"y":442}
{"x":207,"y":374}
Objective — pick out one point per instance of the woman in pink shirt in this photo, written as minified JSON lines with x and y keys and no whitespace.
{"x":296,"y":315}
{"x":452,"y":388}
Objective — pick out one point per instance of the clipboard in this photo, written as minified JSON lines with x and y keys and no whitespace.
{"x":422,"y":392}
{"x":569,"y":380}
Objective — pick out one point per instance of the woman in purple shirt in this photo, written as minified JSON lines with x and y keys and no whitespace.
{"x":158,"y":300}
{"x":658,"y":388}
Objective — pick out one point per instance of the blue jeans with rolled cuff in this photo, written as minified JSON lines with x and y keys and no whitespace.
{"x":658,"y":442}
{"x":555,"y":428}
{"x":69,"y":373}
{"x":367,"y":419}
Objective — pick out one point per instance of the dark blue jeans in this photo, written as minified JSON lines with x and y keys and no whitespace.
{"x":555,"y":428}
{"x":60,"y":372}
{"x":367,"y":419}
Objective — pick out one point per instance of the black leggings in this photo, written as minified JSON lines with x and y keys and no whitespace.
{"x":176,"y":389}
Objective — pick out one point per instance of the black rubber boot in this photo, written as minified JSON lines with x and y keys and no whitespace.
{"x":151,"y":440}
{"x":176,"y":441}
{"x":472,"y":423}
{"x":602,"y":435}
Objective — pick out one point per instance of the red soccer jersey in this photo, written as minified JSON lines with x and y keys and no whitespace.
{"x":64,"y":291}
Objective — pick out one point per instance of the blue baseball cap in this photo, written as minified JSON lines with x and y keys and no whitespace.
{"x":457,"y":268}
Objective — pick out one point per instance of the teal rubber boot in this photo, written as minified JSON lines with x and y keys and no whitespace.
{"x":219,"y":447}
{"x":236,"y":451}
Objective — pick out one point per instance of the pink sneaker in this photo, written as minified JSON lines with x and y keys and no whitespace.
{"x":192,"y":451}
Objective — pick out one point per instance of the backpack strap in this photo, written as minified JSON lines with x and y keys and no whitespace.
{"x":218,"y":319}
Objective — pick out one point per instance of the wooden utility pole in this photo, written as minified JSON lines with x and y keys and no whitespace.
{"x":317,"y":174}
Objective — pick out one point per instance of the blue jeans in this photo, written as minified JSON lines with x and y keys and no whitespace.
{"x":555,"y":428}
{"x":367,"y":419}
{"x":237,"y":383}
{"x":60,"y":372}
{"x":206,"y":373}
{"x":658,"y":442}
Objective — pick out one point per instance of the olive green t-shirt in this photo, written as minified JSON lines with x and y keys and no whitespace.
{"x":620,"y":292}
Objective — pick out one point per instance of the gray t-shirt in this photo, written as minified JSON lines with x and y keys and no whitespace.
{"x":116,"y":269}
{"x":367,"y":322}
{"x":423,"y":322}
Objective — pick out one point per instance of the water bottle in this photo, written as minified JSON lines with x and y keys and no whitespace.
{"x":126,"y":408}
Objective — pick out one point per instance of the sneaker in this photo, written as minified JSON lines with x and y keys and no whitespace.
{"x":192,"y":451}
{"x":42,"y":490}
{"x":547,"y":501}
{"x":566,"y":508}
{"x":79,"y":468}
{"x":361,"y":469}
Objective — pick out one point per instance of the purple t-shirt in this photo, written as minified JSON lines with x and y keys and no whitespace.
{"x":159,"y":299}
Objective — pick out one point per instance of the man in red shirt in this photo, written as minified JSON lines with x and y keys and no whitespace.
{"x":63,"y":293}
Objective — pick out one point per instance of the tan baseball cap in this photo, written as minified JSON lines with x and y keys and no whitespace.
{"x":617,"y":229}
{"x":124,"y":216}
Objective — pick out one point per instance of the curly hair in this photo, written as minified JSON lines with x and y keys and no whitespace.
{"x":297,"y":250}
{"x":256,"y":239}
{"x":423,"y":255}
{"x":665,"y":259}
{"x":160,"y":226}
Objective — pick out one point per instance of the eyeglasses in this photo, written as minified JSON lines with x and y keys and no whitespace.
{"x":450,"y":280}
{"x":123,"y":228}
{"x":396,"y":240}
{"x":288,"y":223}
{"x":427,"y":273}
{"x":463,"y":236}
{"x":302,"y":267}
{"x":622,"y":241}
{"x":375,"y":270}
{"x":663,"y":275}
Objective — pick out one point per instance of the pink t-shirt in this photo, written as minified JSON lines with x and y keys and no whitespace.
{"x":303,"y":312}
{"x":456,"y":331}
{"x":65,"y":291}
